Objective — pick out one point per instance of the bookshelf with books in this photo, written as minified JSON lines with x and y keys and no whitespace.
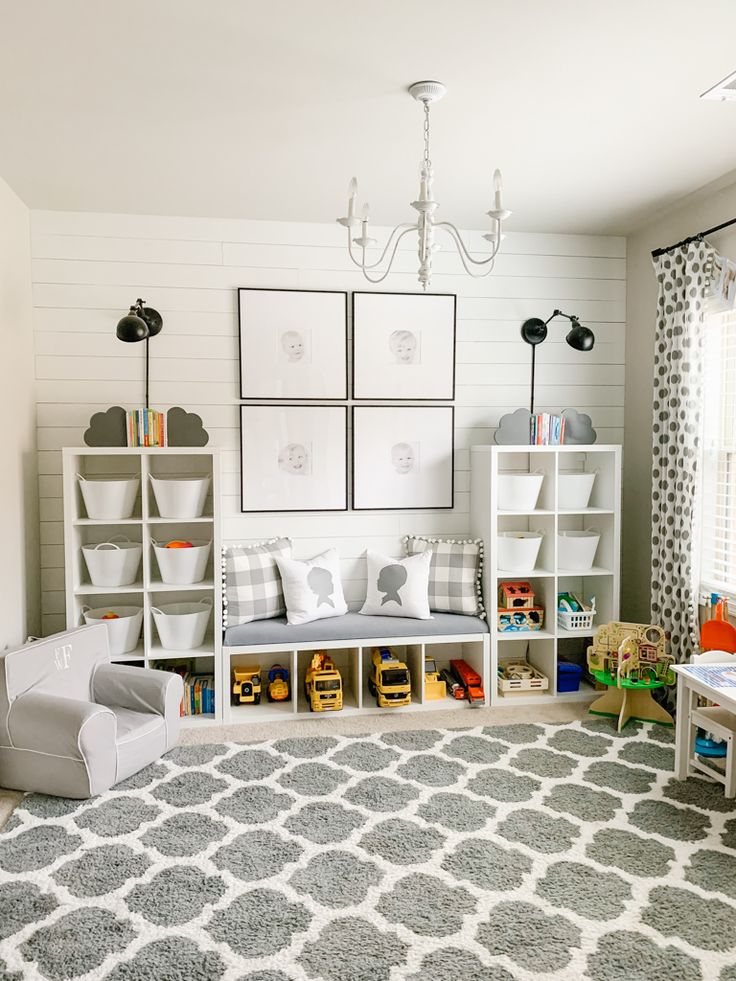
{"x":144,"y":531}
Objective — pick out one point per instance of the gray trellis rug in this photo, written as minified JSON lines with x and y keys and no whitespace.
{"x":521,"y":852}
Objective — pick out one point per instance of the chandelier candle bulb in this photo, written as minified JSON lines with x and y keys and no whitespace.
{"x":353,"y":198}
{"x":498,"y":188}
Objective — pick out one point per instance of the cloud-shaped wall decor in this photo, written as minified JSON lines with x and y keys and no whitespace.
{"x":107,"y":428}
{"x":185,"y":428}
{"x":514,"y":428}
{"x":578,"y":428}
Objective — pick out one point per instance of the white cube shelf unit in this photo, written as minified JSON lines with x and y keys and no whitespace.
{"x":146,"y":526}
{"x":603,"y":514}
{"x":353,"y":660}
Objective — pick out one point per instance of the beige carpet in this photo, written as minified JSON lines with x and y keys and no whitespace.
{"x":359,"y":725}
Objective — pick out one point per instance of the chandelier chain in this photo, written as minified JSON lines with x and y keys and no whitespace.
{"x":427,"y":161}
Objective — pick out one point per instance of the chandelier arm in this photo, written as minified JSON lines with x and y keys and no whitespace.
{"x":372,"y":265}
{"x":461,"y":246}
{"x":380,"y":279}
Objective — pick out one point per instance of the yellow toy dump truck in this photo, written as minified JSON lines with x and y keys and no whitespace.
{"x":389,"y":679}
{"x":323,"y":684}
{"x":247,"y":686}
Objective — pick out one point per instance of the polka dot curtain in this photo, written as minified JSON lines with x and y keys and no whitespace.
{"x":682,"y":276}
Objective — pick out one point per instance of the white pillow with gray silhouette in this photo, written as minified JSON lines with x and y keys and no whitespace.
{"x":312,"y":589}
{"x":398,"y":587}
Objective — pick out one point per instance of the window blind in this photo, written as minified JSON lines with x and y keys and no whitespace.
{"x":718,"y":487}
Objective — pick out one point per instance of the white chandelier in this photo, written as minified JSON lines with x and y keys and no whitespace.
{"x":426,"y":93}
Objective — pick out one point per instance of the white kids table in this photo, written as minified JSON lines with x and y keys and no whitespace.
{"x":689,"y":686}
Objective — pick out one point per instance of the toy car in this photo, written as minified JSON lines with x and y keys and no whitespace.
{"x":434,"y":686}
{"x":388,"y":679}
{"x":454,"y":688}
{"x":278,"y":684}
{"x":471,"y":682}
{"x":323,"y":684}
{"x":246,"y":686}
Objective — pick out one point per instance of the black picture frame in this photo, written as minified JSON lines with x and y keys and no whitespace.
{"x":340,"y":394}
{"x":399,"y":395}
{"x":448,"y":505}
{"x":267,"y":407}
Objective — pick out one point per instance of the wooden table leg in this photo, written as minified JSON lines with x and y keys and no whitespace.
{"x":683,"y":739}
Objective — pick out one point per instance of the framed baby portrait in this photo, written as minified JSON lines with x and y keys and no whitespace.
{"x":404,"y":346}
{"x":293,"y":344}
{"x":293,"y":458}
{"x":403,"y":457}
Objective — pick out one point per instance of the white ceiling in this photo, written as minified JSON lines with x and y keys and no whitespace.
{"x":238,"y":108}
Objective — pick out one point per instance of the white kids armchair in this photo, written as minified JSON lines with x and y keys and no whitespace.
{"x":72,"y":724}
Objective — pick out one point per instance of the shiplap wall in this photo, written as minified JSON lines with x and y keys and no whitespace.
{"x":88,"y":268}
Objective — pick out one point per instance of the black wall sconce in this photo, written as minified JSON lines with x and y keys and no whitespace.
{"x":534,"y":331}
{"x":141,"y":323}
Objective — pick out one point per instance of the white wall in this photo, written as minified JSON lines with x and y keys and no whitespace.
{"x":19,"y":559}
{"x":708,"y":207}
{"x":88,"y":268}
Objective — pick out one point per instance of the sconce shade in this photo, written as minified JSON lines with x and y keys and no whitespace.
{"x":153,"y":319}
{"x":132,"y":328}
{"x":580,"y":338}
{"x":534,"y":331}
{"x":140,"y":323}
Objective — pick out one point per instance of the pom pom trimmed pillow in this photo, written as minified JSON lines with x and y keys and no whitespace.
{"x":251,"y":584}
{"x":455,"y":575}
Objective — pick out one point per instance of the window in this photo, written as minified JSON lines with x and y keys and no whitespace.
{"x":718,"y":488}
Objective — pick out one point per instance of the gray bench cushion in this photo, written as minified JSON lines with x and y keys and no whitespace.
{"x":352,"y":626}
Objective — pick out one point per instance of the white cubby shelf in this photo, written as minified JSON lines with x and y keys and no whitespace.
{"x":353,"y":660}
{"x":543,"y":647}
{"x":145,"y":524}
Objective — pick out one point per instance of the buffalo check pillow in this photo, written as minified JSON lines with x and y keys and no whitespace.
{"x":251,"y":582}
{"x":455,"y":573}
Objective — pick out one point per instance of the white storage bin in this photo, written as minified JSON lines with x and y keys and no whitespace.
{"x":180,"y":497}
{"x":576,"y":549}
{"x":182,"y":626}
{"x":124,"y":631}
{"x":109,"y":500}
{"x":518,"y":550}
{"x":113,"y":563}
{"x":519,"y":490}
{"x":182,"y":566}
{"x":574,"y":490}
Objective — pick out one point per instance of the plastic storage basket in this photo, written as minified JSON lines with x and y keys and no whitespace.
{"x":519,"y":490}
{"x":583,"y":620}
{"x":576,"y":549}
{"x":109,"y":500}
{"x":182,"y":566}
{"x":568,"y":676}
{"x":124,"y":631}
{"x":574,"y":490}
{"x":180,"y":497}
{"x":182,"y":626}
{"x":518,"y":550}
{"x":112,"y":563}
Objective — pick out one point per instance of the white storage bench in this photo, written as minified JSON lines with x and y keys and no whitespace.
{"x":350,"y":640}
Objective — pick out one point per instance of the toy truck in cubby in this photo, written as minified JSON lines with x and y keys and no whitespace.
{"x":389,"y":680}
{"x":323,"y":684}
{"x":516,"y":609}
{"x":247,"y":686}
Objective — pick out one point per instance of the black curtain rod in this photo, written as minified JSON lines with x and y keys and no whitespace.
{"x":694,"y":238}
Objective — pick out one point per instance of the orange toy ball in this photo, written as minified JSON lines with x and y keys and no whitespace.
{"x":111,"y":616}
{"x":179,"y":545}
